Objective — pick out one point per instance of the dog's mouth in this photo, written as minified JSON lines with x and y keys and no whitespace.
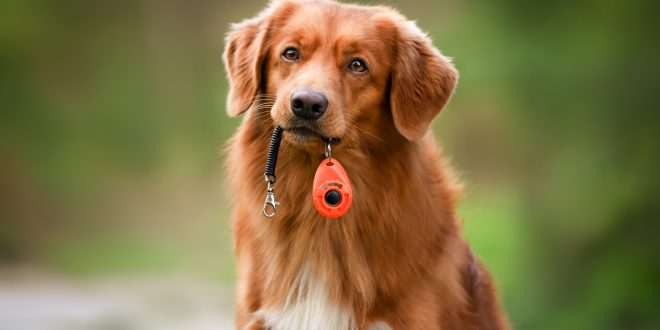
{"x":302,"y":134}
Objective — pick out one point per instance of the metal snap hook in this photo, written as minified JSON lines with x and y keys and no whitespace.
{"x":270,"y":204}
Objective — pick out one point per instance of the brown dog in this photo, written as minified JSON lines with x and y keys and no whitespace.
{"x":372,"y":80}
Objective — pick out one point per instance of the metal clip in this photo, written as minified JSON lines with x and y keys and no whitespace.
{"x":270,"y":204}
{"x":328,"y":149}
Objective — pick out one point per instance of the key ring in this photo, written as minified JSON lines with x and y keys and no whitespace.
{"x":328,"y":150}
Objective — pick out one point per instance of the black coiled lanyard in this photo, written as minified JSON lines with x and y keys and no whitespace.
{"x":269,"y":175}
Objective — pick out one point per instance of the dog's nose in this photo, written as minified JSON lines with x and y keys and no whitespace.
{"x":308,"y":104}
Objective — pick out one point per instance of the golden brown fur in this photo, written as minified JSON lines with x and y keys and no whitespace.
{"x":397,"y":256}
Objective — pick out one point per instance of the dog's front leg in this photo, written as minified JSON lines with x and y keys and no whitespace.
{"x":248,"y":293}
{"x":255,"y":324}
{"x":248,"y":300}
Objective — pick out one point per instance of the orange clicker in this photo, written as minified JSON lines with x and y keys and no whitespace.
{"x":331,"y":191}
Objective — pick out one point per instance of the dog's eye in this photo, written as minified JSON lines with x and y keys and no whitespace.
{"x":291,"y":54}
{"x":357,"y":66}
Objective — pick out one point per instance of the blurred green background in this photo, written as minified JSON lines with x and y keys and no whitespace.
{"x":112,"y":120}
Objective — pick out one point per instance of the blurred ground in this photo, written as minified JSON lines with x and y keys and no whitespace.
{"x":32,"y":299}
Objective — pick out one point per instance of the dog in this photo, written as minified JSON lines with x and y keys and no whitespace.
{"x":371,"y":81}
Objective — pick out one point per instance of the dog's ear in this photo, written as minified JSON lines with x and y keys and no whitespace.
{"x":244,"y":56}
{"x":422,"y":81}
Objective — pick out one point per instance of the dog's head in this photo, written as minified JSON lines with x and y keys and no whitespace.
{"x":329,"y":70}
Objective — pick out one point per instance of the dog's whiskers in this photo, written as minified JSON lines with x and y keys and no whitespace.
{"x":359,"y":139}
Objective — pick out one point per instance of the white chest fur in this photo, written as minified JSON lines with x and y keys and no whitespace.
{"x":308,"y":307}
